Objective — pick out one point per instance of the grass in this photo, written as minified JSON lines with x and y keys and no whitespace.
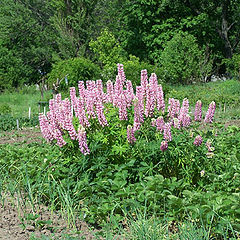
{"x":19,"y":102}
{"x":226,"y":95}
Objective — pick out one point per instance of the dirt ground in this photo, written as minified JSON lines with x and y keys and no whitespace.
{"x":233,"y":122}
{"x":27,"y":135}
{"x":18,"y":222}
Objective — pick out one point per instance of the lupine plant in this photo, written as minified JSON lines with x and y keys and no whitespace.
{"x":119,"y":128}
{"x":147,"y":102}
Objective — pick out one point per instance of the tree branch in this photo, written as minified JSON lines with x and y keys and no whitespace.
{"x":231,"y":26}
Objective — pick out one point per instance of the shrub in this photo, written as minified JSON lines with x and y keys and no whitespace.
{"x":233,"y":65}
{"x":75,"y":69}
{"x":133,"y":67}
{"x":182,"y":61}
{"x":108,"y":51}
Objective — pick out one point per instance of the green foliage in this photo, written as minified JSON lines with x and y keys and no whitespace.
{"x":5,"y":109}
{"x":133,"y":67}
{"x":182,"y":61}
{"x":233,"y":65}
{"x":148,"y":25}
{"x":25,"y":42}
{"x":12,"y":70}
{"x":8,"y":122}
{"x":75,"y":69}
{"x":108,"y":52}
{"x":107,"y":49}
{"x":120,"y":180}
{"x":73,"y":22}
{"x":223,"y":93}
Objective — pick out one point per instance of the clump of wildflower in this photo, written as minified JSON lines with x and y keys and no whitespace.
{"x":150,"y":100}
{"x":140,"y":103}
{"x":122,"y":106}
{"x":144,"y":80}
{"x":198,"y":140}
{"x":121,"y":73}
{"x":164,"y":146}
{"x":70,"y":128}
{"x":138,"y":116}
{"x":184,"y":117}
{"x":100,"y":113}
{"x":45,"y":128}
{"x":160,"y":99}
{"x":60,"y":141}
{"x":110,"y":91}
{"x":173,"y":108}
{"x":210,"y":112}
{"x":81,"y":89}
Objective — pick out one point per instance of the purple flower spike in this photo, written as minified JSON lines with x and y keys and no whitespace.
{"x":210,"y":113}
{"x":198,"y":140}
{"x":198,"y":111}
{"x":164,"y":146}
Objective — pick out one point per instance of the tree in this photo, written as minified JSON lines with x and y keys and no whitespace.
{"x":26,"y":37}
{"x":182,"y":61}
{"x":148,"y":24}
{"x":73,"y":23}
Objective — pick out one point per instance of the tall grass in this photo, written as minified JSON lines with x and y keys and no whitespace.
{"x":20,"y":101}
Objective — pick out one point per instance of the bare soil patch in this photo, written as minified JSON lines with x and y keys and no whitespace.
{"x":232,"y":122}
{"x":18,"y":222}
{"x":27,"y":136}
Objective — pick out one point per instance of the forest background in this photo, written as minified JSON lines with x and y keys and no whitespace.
{"x":183,"y":41}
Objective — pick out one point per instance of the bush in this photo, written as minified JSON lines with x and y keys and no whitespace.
{"x":76,"y":69}
{"x":182,"y":61}
{"x":133,"y":67}
{"x":13,"y":73}
{"x":233,"y":66}
{"x":109,"y":53}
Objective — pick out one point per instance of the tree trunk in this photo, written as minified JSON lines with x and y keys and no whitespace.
{"x":223,"y":32}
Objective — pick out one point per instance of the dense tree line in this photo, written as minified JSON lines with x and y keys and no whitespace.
{"x":35,"y":35}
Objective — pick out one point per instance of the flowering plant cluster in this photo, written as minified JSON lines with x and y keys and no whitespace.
{"x":147,"y":102}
